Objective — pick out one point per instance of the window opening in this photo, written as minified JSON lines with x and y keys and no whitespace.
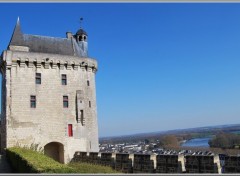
{"x":65,"y":101}
{"x":38,"y":78}
{"x":64,"y":79}
{"x":33,"y":101}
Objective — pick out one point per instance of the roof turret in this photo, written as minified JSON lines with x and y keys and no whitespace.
{"x":17,"y":36}
{"x":81,"y":32}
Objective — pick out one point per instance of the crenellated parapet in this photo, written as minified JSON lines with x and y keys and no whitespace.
{"x":159,"y":163}
{"x":47,"y":61}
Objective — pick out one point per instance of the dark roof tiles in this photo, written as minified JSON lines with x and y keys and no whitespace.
{"x":44,"y":44}
{"x":81,"y":31}
{"x":17,"y":36}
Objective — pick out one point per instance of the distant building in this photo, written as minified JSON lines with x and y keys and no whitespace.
{"x":49,"y":94}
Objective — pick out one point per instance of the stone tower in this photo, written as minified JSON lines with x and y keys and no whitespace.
{"x":49,"y":94}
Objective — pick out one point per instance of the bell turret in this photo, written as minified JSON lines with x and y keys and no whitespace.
{"x":81,"y":35}
{"x":81,"y":39}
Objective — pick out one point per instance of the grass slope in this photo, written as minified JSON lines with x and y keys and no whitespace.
{"x":28,"y":161}
{"x":91,"y":168}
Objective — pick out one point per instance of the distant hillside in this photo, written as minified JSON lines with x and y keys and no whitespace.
{"x":209,"y":130}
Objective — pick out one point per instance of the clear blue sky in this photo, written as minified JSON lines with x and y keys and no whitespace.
{"x":161,"y":66}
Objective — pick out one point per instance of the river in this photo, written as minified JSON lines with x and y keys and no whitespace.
{"x":197,"y":142}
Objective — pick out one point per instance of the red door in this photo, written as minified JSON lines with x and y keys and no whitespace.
{"x":70,"y":131}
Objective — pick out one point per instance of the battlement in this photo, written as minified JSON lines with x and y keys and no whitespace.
{"x":143,"y":163}
{"x":46,"y":61}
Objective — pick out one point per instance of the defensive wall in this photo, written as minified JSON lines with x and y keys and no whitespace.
{"x":143,"y":163}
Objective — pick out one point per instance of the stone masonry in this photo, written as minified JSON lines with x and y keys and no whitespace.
{"x":59,"y":128}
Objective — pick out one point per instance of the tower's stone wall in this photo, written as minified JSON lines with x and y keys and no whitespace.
{"x":48,"y":122}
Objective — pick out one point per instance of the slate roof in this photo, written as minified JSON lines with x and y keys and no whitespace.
{"x":52,"y":45}
{"x":45,"y":44}
{"x":81,"y":31}
{"x":17,"y":36}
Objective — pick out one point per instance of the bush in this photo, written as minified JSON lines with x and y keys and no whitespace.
{"x":28,"y":161}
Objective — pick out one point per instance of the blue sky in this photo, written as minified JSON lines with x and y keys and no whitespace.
{"x":161,"y":66}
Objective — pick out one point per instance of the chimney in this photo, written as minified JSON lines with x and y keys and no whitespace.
{"x":68,"y":35}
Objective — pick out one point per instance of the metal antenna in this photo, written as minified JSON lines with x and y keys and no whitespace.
{"x":81,"y":21}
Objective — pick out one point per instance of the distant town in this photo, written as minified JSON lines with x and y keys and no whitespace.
{"x":148,"y":148}
{"x":174,"y":142}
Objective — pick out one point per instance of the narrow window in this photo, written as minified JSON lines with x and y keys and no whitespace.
{"x":89,"y":104}
{"x":38,"y":78}
{"x":33,"y":101}
{"x":82,"y":118}
{"x":65,"y":101}
{"x":70,"y":130}
{"x":64,"y":79}
{"x":88,"y":83}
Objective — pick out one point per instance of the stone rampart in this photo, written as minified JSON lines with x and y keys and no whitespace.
{"x":169,"y":164}
{"x":143,"y":163}
{"x":231,"y":164}
{"x":202,"y":164}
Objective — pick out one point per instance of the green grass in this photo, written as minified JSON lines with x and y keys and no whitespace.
{"x":91,"y":168}
{"x":28,"y":161}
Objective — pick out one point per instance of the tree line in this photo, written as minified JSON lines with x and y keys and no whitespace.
{"x":225,"y":141}
{"x":220,"y":140}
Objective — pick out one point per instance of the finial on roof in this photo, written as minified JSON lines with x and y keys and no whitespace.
{"x":81,"y":20}
{"x":81,"y":31}
{"x":18,"y":20}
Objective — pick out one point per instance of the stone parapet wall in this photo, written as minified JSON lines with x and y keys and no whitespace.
{"x":123,"y":162}
{"x":107,"y":159}
{"x":141,"y":163}
{"x":231,"y":164}
{"x":169,"y":164}
{"x":201,"y":164}
{"x":134,"y":163}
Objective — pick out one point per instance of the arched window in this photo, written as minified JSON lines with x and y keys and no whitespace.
{"x":79,"y":38}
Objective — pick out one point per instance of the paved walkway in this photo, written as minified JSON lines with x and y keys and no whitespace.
{"x":4,"y":165}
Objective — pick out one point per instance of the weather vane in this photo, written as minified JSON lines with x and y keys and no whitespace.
{"x":81,"y":20}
